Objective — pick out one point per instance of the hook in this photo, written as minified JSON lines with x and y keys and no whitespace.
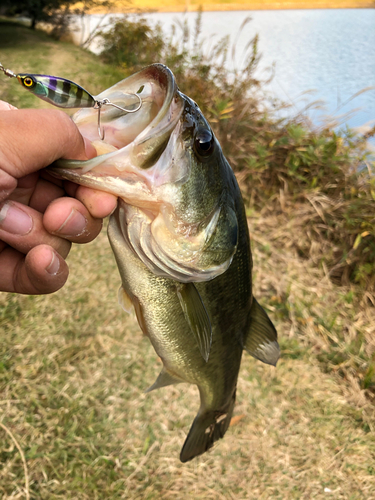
{"x":98,"y":106}
{"x":106,"y":101}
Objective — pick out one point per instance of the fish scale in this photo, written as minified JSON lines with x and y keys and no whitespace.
{"x":182,"y":247}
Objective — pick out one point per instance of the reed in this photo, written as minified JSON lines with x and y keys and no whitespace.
{"x":286,"y":166}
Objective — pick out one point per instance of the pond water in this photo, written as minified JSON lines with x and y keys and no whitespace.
{"x":328,"y":54}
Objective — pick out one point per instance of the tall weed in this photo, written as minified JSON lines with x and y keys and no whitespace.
{"x":286,"y":167}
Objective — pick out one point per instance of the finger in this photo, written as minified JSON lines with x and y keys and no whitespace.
{"x":22,"y":228}
{"x":44,"y":134}
{"x":99,"y":203}
{"x":70,"y":219}
{"x":36,"y":192}
{"x":42,"y":271}
{"x":7,"y":184}
{"x":25,"y":188}
{"x":5,"y":106}
{"x":70,"y":188}
{"x":44,"y":174}
{"x":44,"y":193}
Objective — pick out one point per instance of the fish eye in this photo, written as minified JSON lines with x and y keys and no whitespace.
{"x":204,"y":143}
{"x":28,"y":81}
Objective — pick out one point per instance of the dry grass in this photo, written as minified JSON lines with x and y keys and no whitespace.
{"x":318,"y":232}
{"x":336,"y":324}
{"x":74,"y":367}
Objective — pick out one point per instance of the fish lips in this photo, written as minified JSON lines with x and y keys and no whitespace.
{"x":152,"y":132}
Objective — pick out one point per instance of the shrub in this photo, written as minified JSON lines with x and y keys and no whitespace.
{"x":132,"y":44}
{"x":311,"y":180}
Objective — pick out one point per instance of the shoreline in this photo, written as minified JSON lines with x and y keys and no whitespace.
{"x":176,"y":6}
{"x":170,"y":6}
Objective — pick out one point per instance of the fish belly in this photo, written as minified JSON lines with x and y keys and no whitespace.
{"x":162,"y":319}
{"x":227,"y":299}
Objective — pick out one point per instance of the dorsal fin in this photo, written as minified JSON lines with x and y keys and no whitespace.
{"x":165,"y":378}
{"x":196,"y":316}
{"x":261,"y":338}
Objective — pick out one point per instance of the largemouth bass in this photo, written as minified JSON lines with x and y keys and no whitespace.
{"x":181,"y":242}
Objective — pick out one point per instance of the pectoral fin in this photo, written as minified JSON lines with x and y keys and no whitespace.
{"x":261,"y":339}
{"x":196,"y":316}
{"x":165,"y":378}
{"x":124,"y":300}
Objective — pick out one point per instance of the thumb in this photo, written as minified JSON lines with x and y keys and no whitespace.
{"x":31,"y":139}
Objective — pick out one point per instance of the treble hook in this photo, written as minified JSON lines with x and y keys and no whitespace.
{"x":106,"y":102}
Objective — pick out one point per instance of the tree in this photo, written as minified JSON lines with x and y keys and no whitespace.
{"x":59,"y":13}
{"x":37,"y":10}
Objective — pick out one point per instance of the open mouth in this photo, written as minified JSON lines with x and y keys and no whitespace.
{"x":133,"y":139}
{"x":148,"y":166}
{"x":136,"y":155}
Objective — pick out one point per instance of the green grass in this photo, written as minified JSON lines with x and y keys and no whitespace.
{"x":24,"y":50}
{"x":74,"y":367}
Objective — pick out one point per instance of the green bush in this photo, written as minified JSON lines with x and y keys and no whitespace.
{"x":132,"y":44}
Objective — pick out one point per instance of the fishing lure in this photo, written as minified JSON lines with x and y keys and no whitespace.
{"x":64,"y":93}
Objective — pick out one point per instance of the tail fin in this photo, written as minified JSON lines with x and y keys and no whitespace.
{"x":208,"y":427}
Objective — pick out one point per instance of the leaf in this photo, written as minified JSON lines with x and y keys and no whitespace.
{"x":234,"y":420}
{"x":357,"y":241}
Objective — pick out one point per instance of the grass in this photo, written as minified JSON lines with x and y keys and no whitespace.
{"x":74,"y":367}
{"x":23,"y":50}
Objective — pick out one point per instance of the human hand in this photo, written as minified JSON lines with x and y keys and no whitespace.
{"x":38,"y":221}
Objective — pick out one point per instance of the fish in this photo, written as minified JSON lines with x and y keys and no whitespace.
{"x":181,"y":242}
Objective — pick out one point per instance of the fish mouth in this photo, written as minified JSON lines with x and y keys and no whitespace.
{"x":149,"y":168}
{"x":134,"y":141}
